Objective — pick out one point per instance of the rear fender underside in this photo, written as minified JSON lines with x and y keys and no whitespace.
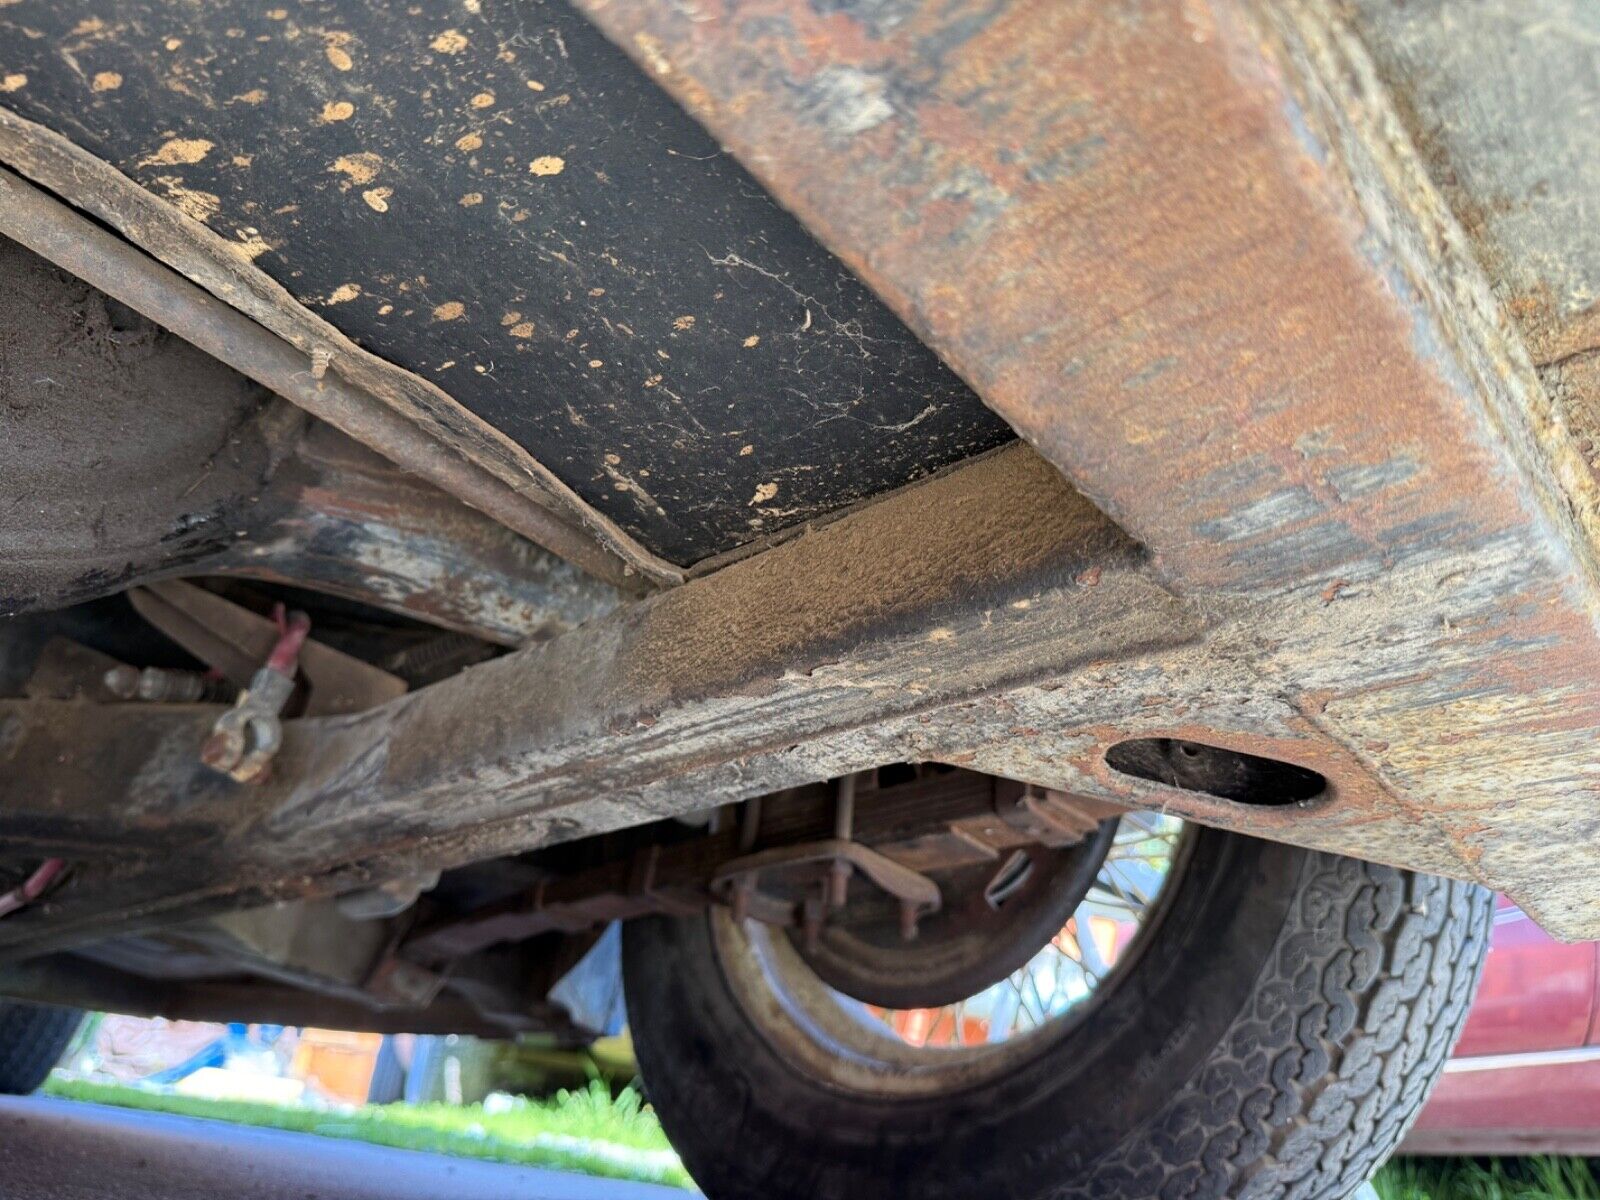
{"x":1299,"y":481}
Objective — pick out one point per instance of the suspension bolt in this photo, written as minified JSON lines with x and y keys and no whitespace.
{"x":909,"y":915}
{"x":811,"y":919}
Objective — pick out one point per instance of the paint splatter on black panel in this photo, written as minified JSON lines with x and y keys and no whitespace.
{"x":490,"y":194}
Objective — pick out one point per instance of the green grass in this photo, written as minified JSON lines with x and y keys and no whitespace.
{"x":586,"y":1131}
{"x":1487,"y":1179}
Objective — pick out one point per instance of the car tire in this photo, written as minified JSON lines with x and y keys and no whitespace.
{"x":1274,"y":1036}
{"x":33,"y":1037}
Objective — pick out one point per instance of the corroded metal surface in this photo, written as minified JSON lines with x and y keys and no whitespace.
{"x":341,"y":519}
{"x":990,"y":618}
{"x":819,"y":656}
{"x":1178,"y":247}
{"x":1500,"y":98}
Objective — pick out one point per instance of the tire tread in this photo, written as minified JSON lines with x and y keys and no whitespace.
{"x":32,"y":1040}
{"x":1367,"y":1011}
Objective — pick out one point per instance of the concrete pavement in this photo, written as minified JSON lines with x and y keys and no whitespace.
{"x":59,"y":1150}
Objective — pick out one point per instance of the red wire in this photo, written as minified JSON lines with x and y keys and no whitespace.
{"x":293,"y":629}
{"x":33,"y":887}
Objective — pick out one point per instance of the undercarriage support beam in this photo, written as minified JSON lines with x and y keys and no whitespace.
{"x":1189,"y":256}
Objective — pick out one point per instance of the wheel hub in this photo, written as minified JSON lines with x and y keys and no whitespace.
{"x":995,"y":917}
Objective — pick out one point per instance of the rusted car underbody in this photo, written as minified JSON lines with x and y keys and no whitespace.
{"x":628,"y":392}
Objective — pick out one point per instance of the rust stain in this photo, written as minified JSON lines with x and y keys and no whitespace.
{"x":1194,"y":262}
{"x":178,"y":152}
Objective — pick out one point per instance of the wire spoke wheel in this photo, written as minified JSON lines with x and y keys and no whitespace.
{"x":1066,"y":971}
{"x":922,"y":1050}
{"x":1137,"y":1049}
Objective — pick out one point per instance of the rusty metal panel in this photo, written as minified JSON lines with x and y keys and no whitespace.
{"x":822,"y":655}
{"x":1501,"y":98}
{"x":1186,"y":249}
{"x":990,"y":618}
{"x":343,"y":520}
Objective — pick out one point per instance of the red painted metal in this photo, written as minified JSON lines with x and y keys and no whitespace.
{"x":1540,"y":999}
{"x":293,"y":629}
{"x":1537,"y":994}
{"x":1552,"y":1109}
